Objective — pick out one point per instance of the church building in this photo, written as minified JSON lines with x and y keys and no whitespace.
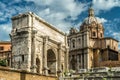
{"x":88,"y":48}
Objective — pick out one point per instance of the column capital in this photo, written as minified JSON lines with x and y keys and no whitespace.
{"x":45,"y":38}
{"x":60,"y":45}
{"x":34,"y":31}
{"x":67,"y":48}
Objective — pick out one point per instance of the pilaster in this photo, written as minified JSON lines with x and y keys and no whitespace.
{"x":77,"y":62}
{"x":45,"y":68}
{"x":33,"y":67}
{"x":67,"y":58}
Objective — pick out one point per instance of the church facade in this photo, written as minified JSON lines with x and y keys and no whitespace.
{"x":88,"y":48}
{"x":37,"y":46}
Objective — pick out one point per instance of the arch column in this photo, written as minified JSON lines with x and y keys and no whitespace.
{"x":45,"y":68}
{"x":33,"y":67}
{"x":59,"y":59}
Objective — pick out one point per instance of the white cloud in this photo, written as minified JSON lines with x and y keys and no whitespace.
{"x":105,"y":4}
{"x":7,"y":12}
{"x":17,"y":0}
{"x":53,"y":11}
{"x":42,"y":2}
{"x":116,"y":35}
{"x":2,"y":5}
{"x":112,"y":29}
{"x":78,"y":25}
{"x":59,"y":10}
{"x":68,"y":7}
{"x":5,"y":30}
{"x":101,"y":20}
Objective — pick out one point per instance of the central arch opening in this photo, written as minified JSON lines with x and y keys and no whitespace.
{"x":51,"y":61}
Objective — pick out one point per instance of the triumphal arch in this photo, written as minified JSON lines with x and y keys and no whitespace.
{"x":37,"y":46}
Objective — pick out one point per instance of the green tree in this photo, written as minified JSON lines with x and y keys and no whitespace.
{"x":3,"y":62}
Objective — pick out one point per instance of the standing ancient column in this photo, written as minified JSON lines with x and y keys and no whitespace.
{"x":59,"y":59}
{"x":78,"y":62}
{"x":81,"y":62}
{"x":67,"y":58}
{"x":45,"y":68}
{"x":59,"y":71}
{"x":66,"y":54}
{"x":34,"y":51}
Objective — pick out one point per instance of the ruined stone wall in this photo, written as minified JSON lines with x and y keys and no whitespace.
{"x":21,"y":42}
{"x":8,"y":74}
{"x":21,"y":50}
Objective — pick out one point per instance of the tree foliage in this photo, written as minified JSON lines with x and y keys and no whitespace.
{"x":3,"y":62}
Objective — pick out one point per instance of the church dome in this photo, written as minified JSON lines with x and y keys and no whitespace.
{"x":90,"y":21}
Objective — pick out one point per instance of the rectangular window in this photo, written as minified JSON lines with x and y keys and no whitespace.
{"x":68,"y":42}
{"x":113,"y":56}
{"x":101,"y":34}
{"x":1,"y":48}
{"x":22,"y":58}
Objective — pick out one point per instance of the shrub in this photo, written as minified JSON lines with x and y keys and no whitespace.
{"x":3,"y":62}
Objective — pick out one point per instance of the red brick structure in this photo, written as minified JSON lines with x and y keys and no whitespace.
{"x":5,"y":51}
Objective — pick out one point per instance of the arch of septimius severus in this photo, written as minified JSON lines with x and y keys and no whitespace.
{"x":37,"y":46}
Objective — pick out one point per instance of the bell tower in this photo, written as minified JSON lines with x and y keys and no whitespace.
{"x":91,"y":12}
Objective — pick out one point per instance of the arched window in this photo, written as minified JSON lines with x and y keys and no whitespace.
{"x":73,"y":43}
{"x":101,"y":35}
{"x":79,"y":40}
{"x":108,"y":46}
{"x":93,"y":34}
{"x":114,"y":48}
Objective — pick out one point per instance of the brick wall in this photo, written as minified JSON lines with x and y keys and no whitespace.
{"x":110,"y":63}
{"x":8,"y":74}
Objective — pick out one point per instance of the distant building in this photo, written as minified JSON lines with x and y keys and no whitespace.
{"x":89,"y":48}
{"x":37,"y":46}
{"x":5,"y":51}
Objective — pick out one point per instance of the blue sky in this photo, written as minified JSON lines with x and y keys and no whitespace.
{"x":64,"y":14}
